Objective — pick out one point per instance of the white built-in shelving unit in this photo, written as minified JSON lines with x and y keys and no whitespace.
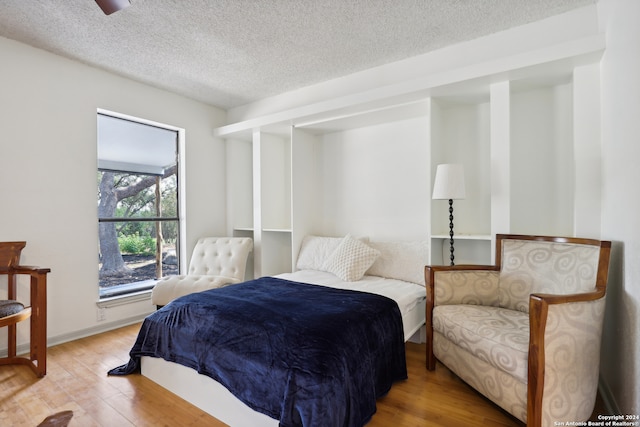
{"x":527,"y":135}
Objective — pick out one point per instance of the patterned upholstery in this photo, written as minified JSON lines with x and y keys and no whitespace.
{"x":496,"y":335}
{"x":215,"y":262}
{"x":491,"y":382}
{"x":467,"y":287}
{"x":572,"y":345}
{"x":544,"y":268}
{"x":482,"y":328}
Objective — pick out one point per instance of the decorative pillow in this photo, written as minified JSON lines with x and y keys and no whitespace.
{"x":351,"y":259}
{"x":400,"y":260}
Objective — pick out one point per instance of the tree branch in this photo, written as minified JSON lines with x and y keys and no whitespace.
{"x":132,"y":190}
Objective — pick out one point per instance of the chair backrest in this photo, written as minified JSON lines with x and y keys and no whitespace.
{"x":221,"y":256}
{"x":545,"y":265}
{"x":10,"y":253}
{"x":11,"y":311}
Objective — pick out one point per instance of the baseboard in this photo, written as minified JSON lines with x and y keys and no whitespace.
{"x":83,"y":333}
{"x":607,"y":398}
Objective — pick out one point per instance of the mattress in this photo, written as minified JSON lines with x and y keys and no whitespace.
{"x":409,"y":296}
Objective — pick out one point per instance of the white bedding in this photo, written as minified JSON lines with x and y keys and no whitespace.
{"x":406,"y":294}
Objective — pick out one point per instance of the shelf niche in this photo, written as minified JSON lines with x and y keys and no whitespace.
{"x":529,"y":144}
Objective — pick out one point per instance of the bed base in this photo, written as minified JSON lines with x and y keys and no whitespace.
{"x":213,"y":398}
{"x":204,"y":393}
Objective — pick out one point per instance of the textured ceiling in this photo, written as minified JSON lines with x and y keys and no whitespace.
{"x":232,"y":52}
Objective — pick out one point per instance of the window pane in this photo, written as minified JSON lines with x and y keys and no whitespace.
{"x":128,"y":146}
{"x":135,"y":195}
{"x":138,"y":218}
{"x":139,"y":251}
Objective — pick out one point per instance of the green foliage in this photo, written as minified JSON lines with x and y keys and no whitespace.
{"x":136,"y":228}
{"x":139,"y":237}
{"x":136,"y":244}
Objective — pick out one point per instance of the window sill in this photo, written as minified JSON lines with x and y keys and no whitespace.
{"x":126,"y":294}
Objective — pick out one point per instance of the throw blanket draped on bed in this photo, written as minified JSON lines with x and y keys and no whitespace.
{"x":303,"y":354}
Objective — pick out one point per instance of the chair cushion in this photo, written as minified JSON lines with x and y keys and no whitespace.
{"x":496,"y":335}
{"x":9,"y":307}
{"x":172,"y":287}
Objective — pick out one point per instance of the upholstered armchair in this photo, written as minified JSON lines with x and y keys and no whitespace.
{"x":526,"y":332}
{"x":215,"y":262}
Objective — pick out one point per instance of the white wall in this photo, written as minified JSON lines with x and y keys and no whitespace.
{"x":376,"y":180}
{"x":48,"y":173}
{"x":620,"y":367}
{"x":541,"y":140}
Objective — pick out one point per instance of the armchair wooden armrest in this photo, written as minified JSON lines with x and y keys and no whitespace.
{"x":474,"y":273}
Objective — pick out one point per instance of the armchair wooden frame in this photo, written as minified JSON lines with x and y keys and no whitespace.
{"x":37,"y":312}
{"x":538,"y":309}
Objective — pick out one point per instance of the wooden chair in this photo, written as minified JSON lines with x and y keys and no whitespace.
{"x":526,"y":331}
{"x":16,"y":312}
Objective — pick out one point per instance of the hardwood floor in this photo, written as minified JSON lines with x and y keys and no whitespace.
{"x":76,"y":380}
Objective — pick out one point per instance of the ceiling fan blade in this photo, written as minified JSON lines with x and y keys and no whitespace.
{"x":110,"y":6}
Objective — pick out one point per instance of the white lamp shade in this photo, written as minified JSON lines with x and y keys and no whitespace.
{"x":111,"y":6}
{"x":449,"y":182}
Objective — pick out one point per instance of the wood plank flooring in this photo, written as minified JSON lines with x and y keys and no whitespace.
{"x":76,"y":380}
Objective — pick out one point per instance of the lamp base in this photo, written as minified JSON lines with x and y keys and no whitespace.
{"x":451,"y":256}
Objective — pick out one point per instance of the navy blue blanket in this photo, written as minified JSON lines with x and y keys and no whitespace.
{"x":303,"y":354}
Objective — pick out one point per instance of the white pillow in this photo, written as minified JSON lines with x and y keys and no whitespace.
{"x":350,"y":259}
{"x":315,"y":250}
{"x":400,"y":260}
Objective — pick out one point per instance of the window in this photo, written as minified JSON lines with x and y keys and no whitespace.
{"x":138,"y":209}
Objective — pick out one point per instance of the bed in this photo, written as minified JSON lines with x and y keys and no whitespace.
{"x":369,"y":313}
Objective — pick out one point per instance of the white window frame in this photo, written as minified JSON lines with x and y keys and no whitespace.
{"x":182,"y":211}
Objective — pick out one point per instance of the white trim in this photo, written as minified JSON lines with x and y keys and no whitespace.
{"x":129,"y":298}
{"x":560,"y":58}
{"x":182,"y":201}
{"x":138,"y":119}
{"x":83,"y":333}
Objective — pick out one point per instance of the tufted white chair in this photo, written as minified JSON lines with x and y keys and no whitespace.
{"x":525,"y":332}
{"x":215,"y":262}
